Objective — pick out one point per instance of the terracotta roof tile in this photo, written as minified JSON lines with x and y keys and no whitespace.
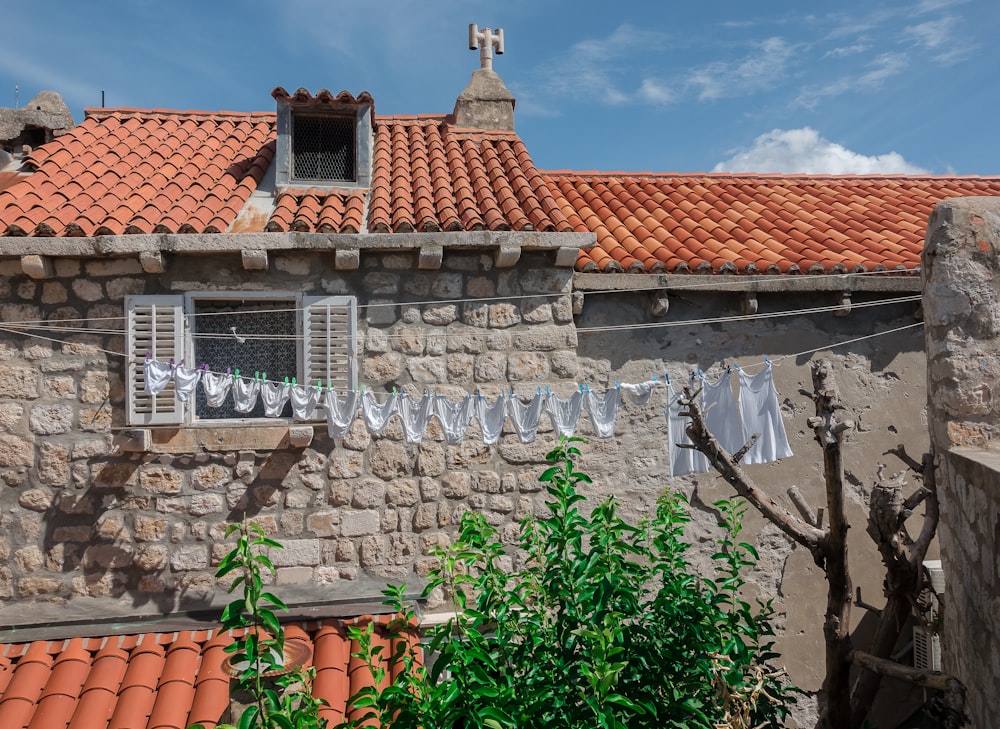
{"x":158,"y":680}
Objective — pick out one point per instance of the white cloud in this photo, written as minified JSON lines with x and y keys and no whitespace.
{"x":852,"y":50}
{"x":592,"y":68}
{"x":932,"y":34}
{"x":761,"y":69}
{"x":654,"y":92}
{"x":879,"y":70}
{"x":804,"y":151}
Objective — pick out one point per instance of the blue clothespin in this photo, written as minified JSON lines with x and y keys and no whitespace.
{"x":539,"y":391}
{"x":580,"y":385}
{"x":767,"y":359}
{"x":656,"y":378}
{"x":617,"y":386}
{"x":666,"y":376}
{"x":548,"y":392}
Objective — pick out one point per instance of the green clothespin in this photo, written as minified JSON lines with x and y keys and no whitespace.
{"x":236,"y":373}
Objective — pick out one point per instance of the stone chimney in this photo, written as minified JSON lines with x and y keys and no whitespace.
{"x":486,"y":103}
{"x":41,"y":120}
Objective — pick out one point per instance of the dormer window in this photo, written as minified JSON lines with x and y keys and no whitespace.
{"x":323,"y":141}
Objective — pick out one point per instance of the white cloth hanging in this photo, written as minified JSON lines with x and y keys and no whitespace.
{"x":157,"y":375}
{"x":274,"y":395}
{"x":415,"y":416}
{"x":340,"y":412}
{"x":639,"y":392}
{"x":722,"y":415}
{"x":304,"y":401}
{"x":525,"y":416}
{"x":490,"y":417}
{"x":245,"y":392}
{"x":185,"y":381}
{"x":216,"y":386}
{"x":377,"y":414}
{"x":762,"y":414}
{"x":564,"y":414}
{"x":682,"y":460}
{"x":455,"y":417}
{"x":602,"y":410}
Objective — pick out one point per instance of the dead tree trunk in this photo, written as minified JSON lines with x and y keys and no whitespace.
{"x":902,"y":556}
{"x":829,"y":431}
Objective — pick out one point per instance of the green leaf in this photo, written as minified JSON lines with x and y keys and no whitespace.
{"x":248,"y":718}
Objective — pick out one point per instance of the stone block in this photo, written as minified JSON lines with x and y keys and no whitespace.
{"x":150,"y":528}
{"x":294,"y":575}
{"x":202,"y":504}
{"x":402,"y":492}
{"x":187,"y":557}
{"x":87,"y":289}
{"x":503,"y":315}
{"x":35,"y":499}
{"x":345,"y":464}
{"x":368,"y":493}
{"x":211,"y":477}
{"x":160,"y":479}
{"x":151,"y":557}
{"x":384,"y":368}
{"x":440,"y":314}
{"x":425,"y":517}
{"x":527,"y":367}
{"x":427,"y":370}
{"x":324,"y":523}
{"x":19,"y":383}
{"x":390,"y":460}
{"x":476,"y":314}
{"x":374,"y":551}
{"x":490,"y":367}
{"x":15,"y":451}
{"x":360,"y":523}
{"x":409,"y":341}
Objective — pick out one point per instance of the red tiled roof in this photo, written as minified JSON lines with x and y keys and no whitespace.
{"x":754,"y":223}
{"x":131,"y":171}
{"x":158,"y":680}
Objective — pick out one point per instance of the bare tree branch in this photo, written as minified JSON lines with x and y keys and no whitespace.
{"x":805,"y":534}
{"x":951,"y":687}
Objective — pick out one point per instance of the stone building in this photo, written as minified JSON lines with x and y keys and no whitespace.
{"x":401,"y":254}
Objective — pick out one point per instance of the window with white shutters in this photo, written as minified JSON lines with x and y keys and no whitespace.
{"x":310,"y":339}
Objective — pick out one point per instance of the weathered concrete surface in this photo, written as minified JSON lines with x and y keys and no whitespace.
{"x":46,"y":113}
{"x":962,"y":308}
{"x":485,"y":103}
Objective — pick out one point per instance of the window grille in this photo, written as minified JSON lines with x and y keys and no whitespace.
{"x":323,"y":148}
{"x":257,"y":336}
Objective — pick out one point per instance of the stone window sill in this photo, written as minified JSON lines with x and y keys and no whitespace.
{"x":187,"y":439}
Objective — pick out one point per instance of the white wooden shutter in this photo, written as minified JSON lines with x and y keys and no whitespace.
{"x":329,"y":349}
{"x":155,"y":325}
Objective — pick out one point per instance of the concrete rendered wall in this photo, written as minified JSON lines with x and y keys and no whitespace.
{"x":962,"y":307}
{"x":88,"y":531}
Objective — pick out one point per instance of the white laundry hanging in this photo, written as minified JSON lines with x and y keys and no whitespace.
{"x":682,"y":460}
{"x":185,"y":381}
{"x":602,"y":410}
{"x":340,"y":412}
{"x":565,"y":414}
{"x":157,"y":375}
{"x":304,"y":401}
{"x":415,"y":416}
{"x":245,"y":392}
{"x":722,"y":415}
{"x":762,"y":414}
{"x":491,"y":417}
{"x":639,"y":392}
{"x":525,"y":416}
{"x":455,"y":417}
{"x":216,"y":386}
{"x":377,"y":414}
{"x":274,"y":396}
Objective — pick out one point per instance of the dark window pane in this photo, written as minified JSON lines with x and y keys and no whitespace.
{"x":267,"y":329}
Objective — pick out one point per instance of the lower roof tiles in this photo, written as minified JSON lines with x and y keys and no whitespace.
{"x":160,"y":680}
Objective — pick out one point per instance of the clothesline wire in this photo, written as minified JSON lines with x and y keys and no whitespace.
{"x":776,"y":361}
{"x":22,"y":326}
{"x":482,"y":299}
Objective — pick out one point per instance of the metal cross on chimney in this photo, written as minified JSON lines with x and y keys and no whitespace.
{"x":485,"y":40}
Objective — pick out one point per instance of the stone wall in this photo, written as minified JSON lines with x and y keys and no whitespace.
{"x":90,"y":530}
{"x":962,"y":307}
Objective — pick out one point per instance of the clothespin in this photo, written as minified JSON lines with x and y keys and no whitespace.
{"x":539,"y":391}
{"x":171,"y":362}
{"x":656,"y":378}
{"x":767,"y":360}
{"x":479,"y":393}
{"x":666,"y":376}
{"x":286,"y":382}
{"x":229,"y":371}
{"x":181,"y":363}
{"x":148,"y":356}
{"x":263,"y":377}
{"x":204,"y":366}
{"x":587,"y":386}
{"x":294,"y":382}
{"x":394,"y":392}
{"x":617,"y":386}
{"x":580,"y":385}
{"x":236,"y":374}
{"x":548,"y":392}
{"x":362,"y":389}
{"x":319,"y":386}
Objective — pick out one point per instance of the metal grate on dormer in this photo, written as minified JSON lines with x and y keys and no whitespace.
{"x":323,"y":148}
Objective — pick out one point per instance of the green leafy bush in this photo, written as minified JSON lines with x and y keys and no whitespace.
{"x":606,"y":625}
{"x":280,"y":694}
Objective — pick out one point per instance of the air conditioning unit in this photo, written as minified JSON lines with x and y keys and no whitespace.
{"x":926,"y":638}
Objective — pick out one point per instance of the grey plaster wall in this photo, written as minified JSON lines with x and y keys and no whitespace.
{"x":962,"y":305}
{"x":84,"y":525}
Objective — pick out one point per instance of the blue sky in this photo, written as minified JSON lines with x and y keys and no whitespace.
{"x":661,"y":85}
